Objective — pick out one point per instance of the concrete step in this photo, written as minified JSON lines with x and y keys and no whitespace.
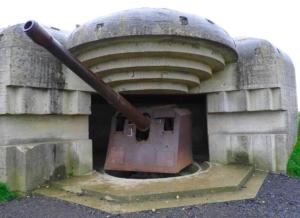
{"x":218,"y":178}
{"x":217,"y":183}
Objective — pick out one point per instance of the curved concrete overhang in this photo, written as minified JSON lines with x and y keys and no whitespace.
{"x":151,"y":50}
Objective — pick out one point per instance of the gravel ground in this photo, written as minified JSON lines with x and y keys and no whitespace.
{"x":278,"y":197}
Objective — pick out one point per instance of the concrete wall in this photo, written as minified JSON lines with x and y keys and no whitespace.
{"x":252,"y":108}
{"x":43,"y":121}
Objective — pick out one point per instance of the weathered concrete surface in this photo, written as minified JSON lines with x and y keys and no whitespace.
{"x":31,"y":79}
{"x":23,"y":63}
{"x":137,"y":190}
{"x":130,"y":64}
{"x":268,"y":99}
{"x":34,"y":149}
{"x":145,"y":55}
{"x":43,"y":126}
{"x":263,"y":65}
{"x":264,"y":151}
{"x":25,"y":167}
{"x":256,"y":120}
{"x":38,"y":128}
{"x":220,"y":183}
{"x":25,"y":100}
{"x":149,"y":21}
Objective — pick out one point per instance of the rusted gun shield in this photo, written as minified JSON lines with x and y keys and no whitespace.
{"x":165,"y":148}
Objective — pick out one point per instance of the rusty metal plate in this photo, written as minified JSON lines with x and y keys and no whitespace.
{"x":167,"y":148}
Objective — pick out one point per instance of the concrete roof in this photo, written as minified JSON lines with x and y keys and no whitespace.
{"x":15,"y":35}
{"x":149,"y":21}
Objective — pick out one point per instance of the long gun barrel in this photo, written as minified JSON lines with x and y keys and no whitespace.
{"x":40,"y":36}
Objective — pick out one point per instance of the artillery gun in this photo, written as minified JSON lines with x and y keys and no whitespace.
{"x":155,"y":139}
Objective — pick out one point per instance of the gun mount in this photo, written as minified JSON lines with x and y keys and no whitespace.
{"x":155,"y":139}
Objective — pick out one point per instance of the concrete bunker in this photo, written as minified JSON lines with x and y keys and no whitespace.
{"x":245,"y":87}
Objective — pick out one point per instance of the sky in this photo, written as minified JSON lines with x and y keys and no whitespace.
{"x":274,"y":20}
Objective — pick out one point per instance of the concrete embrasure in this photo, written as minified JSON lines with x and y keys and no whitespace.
{"x":218,"y":183}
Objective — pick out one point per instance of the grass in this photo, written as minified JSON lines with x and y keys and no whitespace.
{"x":293,"y":166}
{"x":5,"y":193}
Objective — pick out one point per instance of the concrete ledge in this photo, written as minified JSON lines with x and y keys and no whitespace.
{"x":245,"y":100}
{"x":25,"y":100}
{"x":26,"y":129}
{"x":245,"y":122}
{"x":25,"y":167}
{"x":73,"y":193}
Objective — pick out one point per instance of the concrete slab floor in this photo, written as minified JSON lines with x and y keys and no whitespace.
{"x":116,"y":195}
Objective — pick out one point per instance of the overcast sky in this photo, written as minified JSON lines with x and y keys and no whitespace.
{"x":274,"y":20}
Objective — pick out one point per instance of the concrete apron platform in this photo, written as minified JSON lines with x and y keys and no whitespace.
{"x":217,"y":183}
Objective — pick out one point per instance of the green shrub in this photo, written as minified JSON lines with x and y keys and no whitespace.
{"x":5,"y":193}
{"x":293,"y":166}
